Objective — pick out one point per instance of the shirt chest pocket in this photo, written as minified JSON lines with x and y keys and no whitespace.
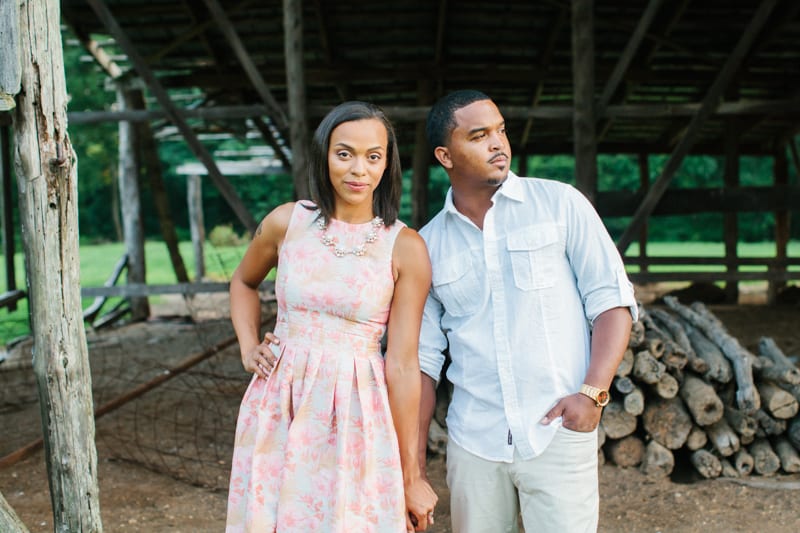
{"x":456,"y":285}
{"x":534,"y":253}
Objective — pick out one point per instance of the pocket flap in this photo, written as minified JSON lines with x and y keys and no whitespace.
{"x":452,"y":270}
{"x":532,"y":237}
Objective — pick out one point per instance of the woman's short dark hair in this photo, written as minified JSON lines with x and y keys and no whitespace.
{"x":386,"y":200}
{"x":441,"y":118}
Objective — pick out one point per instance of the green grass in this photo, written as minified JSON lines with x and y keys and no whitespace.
{"x":98,"y":260}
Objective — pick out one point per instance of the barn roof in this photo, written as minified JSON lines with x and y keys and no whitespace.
{"x":402,"y":55}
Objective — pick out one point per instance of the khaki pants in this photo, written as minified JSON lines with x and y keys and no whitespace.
{"x":554,"y":492}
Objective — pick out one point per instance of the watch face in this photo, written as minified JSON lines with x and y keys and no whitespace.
{"x":603,"y":397}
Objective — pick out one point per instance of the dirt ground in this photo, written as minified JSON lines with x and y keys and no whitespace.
{"x":138,"y":499}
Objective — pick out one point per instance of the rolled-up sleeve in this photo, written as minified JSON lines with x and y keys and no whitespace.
{"x":599,"y":270}
{"x":432,"y":340}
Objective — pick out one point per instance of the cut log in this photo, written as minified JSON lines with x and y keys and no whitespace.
{"x":747,"y":397}
{"x":624,"y":384}
{"x":765,"y":461}
{"x":634,"y":402}
{"x":617,"y":423}
{"x":701,"y":400}
{"x":723,"y":438}
{"x":653,"y":344}
{"x":667,"y":422}
{"x":790,"y":459}
{"x":625,"y":452}
{"x":637,"y":335}
{"x":769,"y":425}
{"x":626,"y":364}
{"x":793,"y":433}
{"x":742,"y":423}
{"x":673,"y":356}
{"x":719,"y":368}
{"x":658,"y":460}
{"x":706,"y":463}
{"x":697,"y":438}
{"x":743,"y":462}
{"x":728,"y":470}
{"x":667,"y":386}
{"x":782,"y":365}
{"x":646,"y":368}
{"x":776,"y":401}
{"x":678,"y":333}
{"x":601,"y":436}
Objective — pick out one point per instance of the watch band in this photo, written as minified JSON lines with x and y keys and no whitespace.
{"x":600,"y":396}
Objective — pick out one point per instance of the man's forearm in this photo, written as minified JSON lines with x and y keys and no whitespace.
{"x":427,"y":404}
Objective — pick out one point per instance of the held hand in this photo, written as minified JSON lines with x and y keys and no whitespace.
{"x":420,"y":502}
{"x":260,"y":360}
{"x":577,"y":412}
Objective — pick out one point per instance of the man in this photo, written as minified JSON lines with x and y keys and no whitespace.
{"x":531,"y":300}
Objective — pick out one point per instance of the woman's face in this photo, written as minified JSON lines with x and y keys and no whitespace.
{"x":357,"y":158}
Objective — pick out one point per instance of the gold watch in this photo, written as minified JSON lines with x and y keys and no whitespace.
{"x":600,"y":396}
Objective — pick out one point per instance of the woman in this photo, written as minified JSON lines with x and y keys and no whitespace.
{"x":326,"y":438}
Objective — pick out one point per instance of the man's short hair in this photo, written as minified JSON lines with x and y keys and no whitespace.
{"x":441,"y":118}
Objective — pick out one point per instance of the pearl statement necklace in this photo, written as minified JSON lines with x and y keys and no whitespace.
{"x":358,"y":251}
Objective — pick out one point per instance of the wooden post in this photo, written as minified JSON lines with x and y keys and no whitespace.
{"x":9,"y":86}
{"x":194,"y":198}
{"x":585,"y":144}
{"x":644,"y":185}
{"x":48,"y":194}
{"x":128,"y":179}
{"x":731,"y":226}
{"x":782,"y":222}
{"x":296,"y":90}
{"x":420,"y":174}
{"x":7,"y":207}
{"x":152,"y":166}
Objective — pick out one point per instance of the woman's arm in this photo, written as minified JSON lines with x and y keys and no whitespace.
{"x":412,"y":271}
{"x":261,"y":257}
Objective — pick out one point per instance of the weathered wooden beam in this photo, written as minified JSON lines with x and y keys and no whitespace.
{"x":173,"y":112}
{"x":782,"y":221}
{"x":47,"y":182}
{"x":415,"y":113}
{"x":703,"y":200}
{"x":129,"y":170}
{"x":270,"y":139}
{"x":7,"y":207}
{"x":583,"y":119}
{"x":730,"y":223}
{"x":127,"y":291}
{"x":323,"y":33}
{"x":544,"y":65}
{"x":296,"y":90}
{"x":194,"y":199}
{"x":625,"y":58}
{"x":9,"y":521}
{"x":710,"y":102}
{"x":10,"y":68}
{"x":421,"y":163}
{"x":276,"y":113}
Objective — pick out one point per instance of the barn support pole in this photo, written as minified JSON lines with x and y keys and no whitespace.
{"x":46,"y":173}
{"x":130,"y":204}
{"x":644,"y":185}
{"x":296,"y":90}
{"x":585,"y":143}
{"x":731,"y":224}
{"x":152,"y":167}
{"x":9,"y":521}
{"x":7,"y":206}
{"x":420,"y":175}
{"x":194,"y":198}
{"x":710,"y":103}
{"x":782,"y":223}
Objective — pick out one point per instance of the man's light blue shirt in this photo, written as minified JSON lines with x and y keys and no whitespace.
{"x":513,"y":304}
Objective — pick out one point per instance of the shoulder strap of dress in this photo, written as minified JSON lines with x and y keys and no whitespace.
{"x":303,"y":215}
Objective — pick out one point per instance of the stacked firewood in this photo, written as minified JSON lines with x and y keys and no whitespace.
{"x":687,"y":389}
{"x":688,"y":392}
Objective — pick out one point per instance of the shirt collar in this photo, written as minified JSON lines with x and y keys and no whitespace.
{"x":511,"y":188}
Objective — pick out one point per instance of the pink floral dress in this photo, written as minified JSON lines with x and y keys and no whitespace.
{"x":316,"y":450}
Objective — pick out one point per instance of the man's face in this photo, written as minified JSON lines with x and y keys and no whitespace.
{"x":479,"y":151}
